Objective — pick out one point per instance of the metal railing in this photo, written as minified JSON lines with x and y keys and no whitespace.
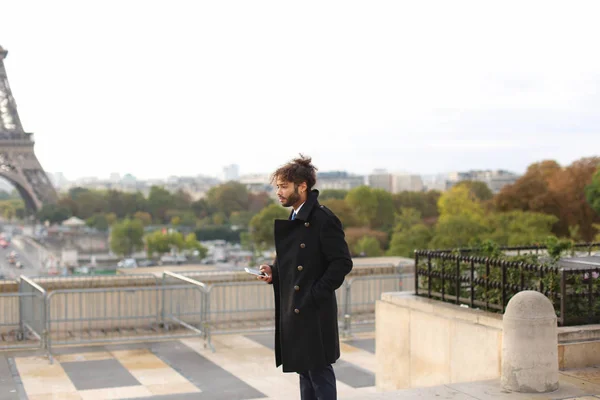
{"x":489,"y":283}
{"x":125,"y":313}
{"x":12,"y":334}
{"x":582,"y":247}
{"x":94,"y":281}
{"x":176,"y":306}
{"x":187,"y":307}
{"x":361,"y":295}
{"x":32,"y":310}
{"x":236,"y":307}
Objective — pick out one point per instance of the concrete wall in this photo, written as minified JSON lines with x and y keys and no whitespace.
{"x":423,"y":342}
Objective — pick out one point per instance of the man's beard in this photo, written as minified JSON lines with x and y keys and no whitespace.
{"x":292,"y":199}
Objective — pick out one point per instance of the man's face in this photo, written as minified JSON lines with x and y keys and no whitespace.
{"x":287,"y":193}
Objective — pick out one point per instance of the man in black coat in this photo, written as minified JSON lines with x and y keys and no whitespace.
{"x":311,"y":263}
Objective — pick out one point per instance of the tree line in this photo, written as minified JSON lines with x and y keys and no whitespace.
{"x":548,"y":200}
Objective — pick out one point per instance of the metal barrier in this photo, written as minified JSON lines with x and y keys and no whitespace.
{"x":243,"y":307}
{"x":94,"y":281}
{"x":362,"y":293}
{"x":187,"y":307}
{"x":12,"y":335}
{"x":178,"y":307}
{"x":78,"y":316}
{"x":32,"y":310}
{"x":236,"y":307}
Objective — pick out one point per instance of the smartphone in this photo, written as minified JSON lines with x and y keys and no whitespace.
{"x":254,"y":271}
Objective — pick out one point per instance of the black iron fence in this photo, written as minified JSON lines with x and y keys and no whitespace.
{"x":572,"y":284}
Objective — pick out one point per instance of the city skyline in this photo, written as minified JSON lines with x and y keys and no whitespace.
{"x":199,"y":86}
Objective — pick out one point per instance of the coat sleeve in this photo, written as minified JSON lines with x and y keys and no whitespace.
{"x":274,"y":272}
{"x":338,"y":262}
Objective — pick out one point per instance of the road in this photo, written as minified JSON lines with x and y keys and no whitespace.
{"x":10,"y":271}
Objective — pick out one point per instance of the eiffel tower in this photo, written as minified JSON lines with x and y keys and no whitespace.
{"x":18,"y":163}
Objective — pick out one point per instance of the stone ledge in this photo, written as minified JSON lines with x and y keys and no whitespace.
{"x":445,"y":310}
{"x":566,"y":334}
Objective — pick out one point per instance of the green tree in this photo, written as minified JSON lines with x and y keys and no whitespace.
{"x":181,"y":200}
{"x":258,"y":201}
{"x":364,"y":202}
{"x":518,"y":228}
{"x":410,"y":233}
{"x":9,"y":212}
{"x":241,"y":218}
{"x":98,"y":221}
{"x":228,"y":197}
{"x":126,"y":237}
{"x":456,"y":231}
{"x":597,"y":227}
{"x":368,"y":246}
{"x":157,"y":242}
{"x":54,"y":213}
{"x":405,"y":241}
{"x":480,"y":190}
{"x":354,"y":234}
{"x":160,"y":242}
{"x":89,"y":203}
{"x":343,"y":211}
{"x":143,"y":216}
{"x":132,"y":203}
{"x":592,"y":192}
{"x":406,"y":219}
{"x":201,"y":208}
{"x":424,"y":202}
{"x":384,"y":216}
{"x":219,"y":218}
{"x":192,"y":243}
{"x":332,"y":194}
{"x":159,"y":202}
{"x":261,"y":225}
{"x":461,"y":219}
{"x":124,"y":204}
{"x":459,"y":201}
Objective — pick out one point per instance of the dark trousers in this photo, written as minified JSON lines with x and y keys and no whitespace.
{"x":318,"y":384}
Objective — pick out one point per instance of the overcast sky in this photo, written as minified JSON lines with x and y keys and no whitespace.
{"x":159,"y":88}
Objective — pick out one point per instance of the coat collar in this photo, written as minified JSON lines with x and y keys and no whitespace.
{"x":310,"y":203}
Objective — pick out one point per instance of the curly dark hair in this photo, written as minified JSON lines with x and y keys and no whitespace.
{"x":297,"y":171}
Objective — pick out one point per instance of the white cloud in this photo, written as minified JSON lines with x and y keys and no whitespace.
{"x":159,"y":88}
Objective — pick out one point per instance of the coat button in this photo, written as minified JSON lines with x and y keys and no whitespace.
{"x":306,"y":224}
{"x":297,"y":311}
{"x":300,"y":268}
{"x":302,"y":245}
{"x":296,"y":288}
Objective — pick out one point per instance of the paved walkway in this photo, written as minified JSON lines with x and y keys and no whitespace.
{"x":242,"y":368}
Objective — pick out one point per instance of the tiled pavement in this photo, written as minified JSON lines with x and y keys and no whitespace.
{"x":242,"y":368}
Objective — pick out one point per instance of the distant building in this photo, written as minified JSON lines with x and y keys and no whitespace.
{"x":257,"y":183}
{"x":115,"y":177}
{"x":495,"y":179}
{"x":58,"y":180}
{"x":338,"y":180}
{"x":231,"y":173}
{"x":407,"y":183}
{"x":395,"y":182}
{"x":380,"y":179}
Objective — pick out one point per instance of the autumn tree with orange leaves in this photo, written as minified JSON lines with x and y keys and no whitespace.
{"x":551,"y":189}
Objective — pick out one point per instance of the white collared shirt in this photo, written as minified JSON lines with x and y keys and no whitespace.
{"x":298,"y":210}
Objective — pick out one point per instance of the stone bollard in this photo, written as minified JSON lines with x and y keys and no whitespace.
{"x":529,"y":344}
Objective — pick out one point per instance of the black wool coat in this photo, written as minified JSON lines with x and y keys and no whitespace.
{"x":312,"y":262}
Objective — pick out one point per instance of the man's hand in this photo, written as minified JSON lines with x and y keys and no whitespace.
{"x":267,"y":270}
